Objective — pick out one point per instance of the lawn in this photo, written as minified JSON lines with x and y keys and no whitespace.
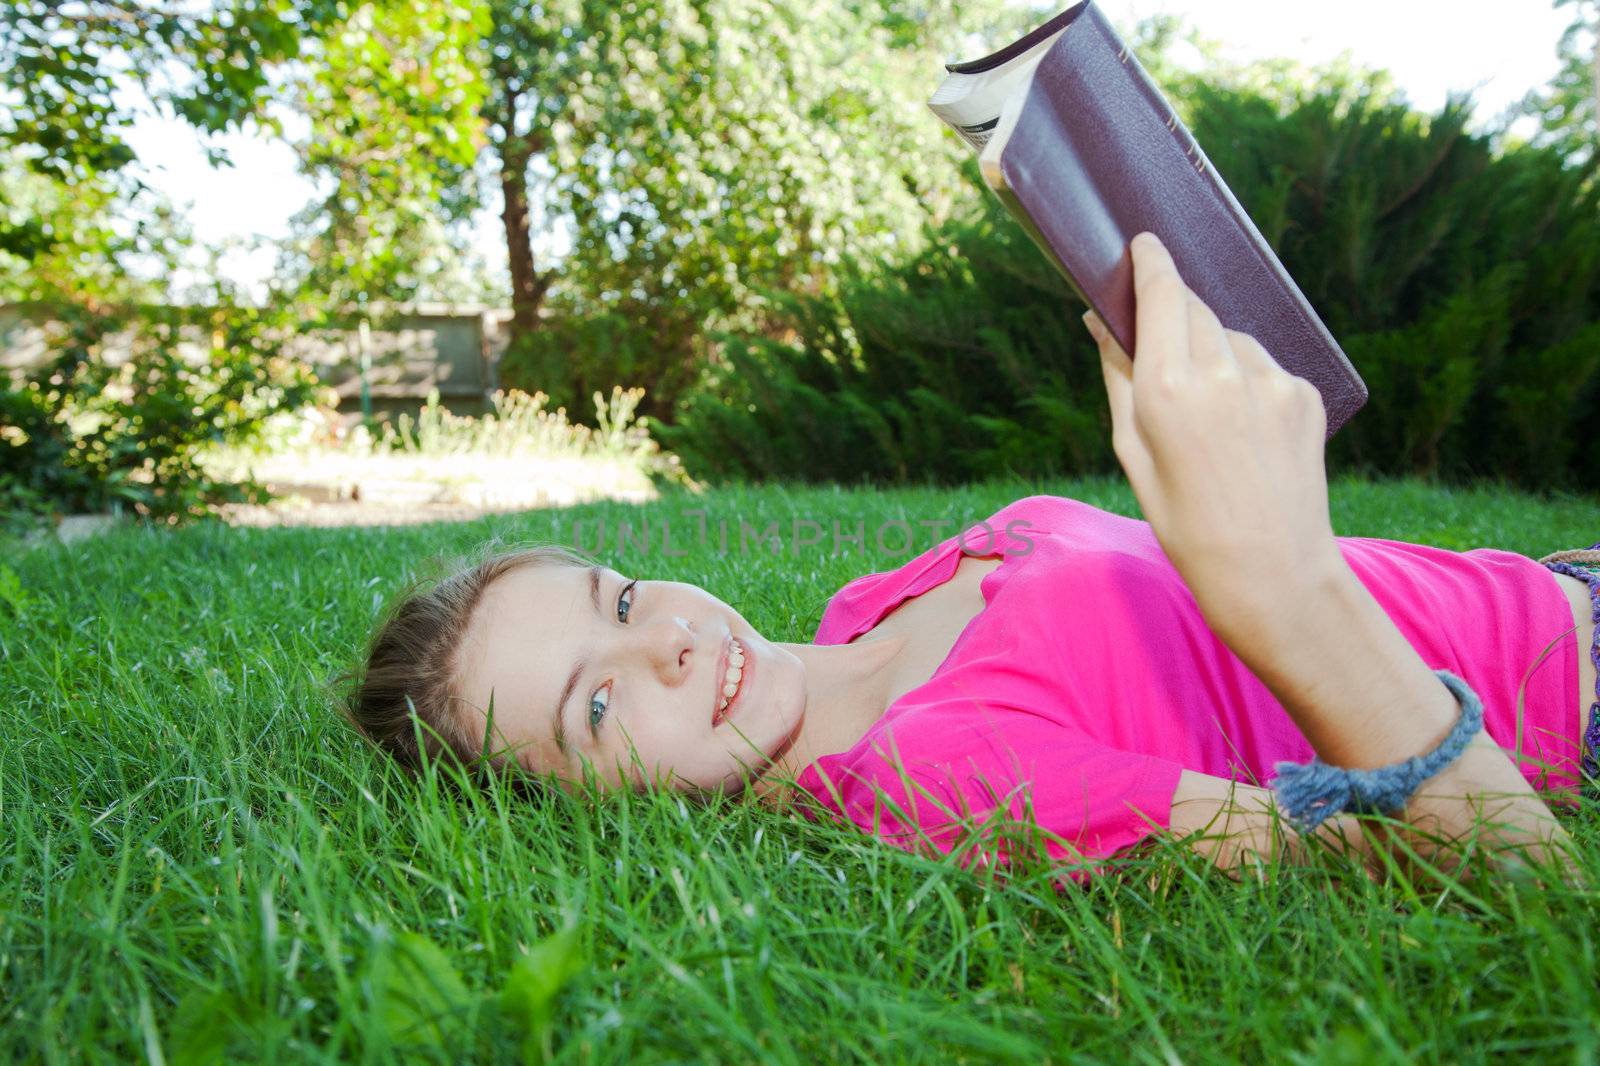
{"x":202,"y":863}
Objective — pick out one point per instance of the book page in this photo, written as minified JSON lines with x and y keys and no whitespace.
{"x":972,"y":103}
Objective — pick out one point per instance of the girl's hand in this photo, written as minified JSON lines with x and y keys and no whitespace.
{"x":1223,"y":448}
{"x":1224,"y":451}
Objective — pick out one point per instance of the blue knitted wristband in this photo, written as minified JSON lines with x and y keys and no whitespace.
{"x":1310,"y":793}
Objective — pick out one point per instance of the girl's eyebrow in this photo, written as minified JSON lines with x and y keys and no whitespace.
{"x":558,"y":726}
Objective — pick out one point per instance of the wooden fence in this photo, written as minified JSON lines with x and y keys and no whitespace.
{"x":454,"y":349}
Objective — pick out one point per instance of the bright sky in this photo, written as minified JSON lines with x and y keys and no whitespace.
{"x":1432,"y":47}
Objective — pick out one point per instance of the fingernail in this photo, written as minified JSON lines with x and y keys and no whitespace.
{"x":1092,"y":321}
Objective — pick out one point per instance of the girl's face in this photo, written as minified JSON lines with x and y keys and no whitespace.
{"x":586,"y":666}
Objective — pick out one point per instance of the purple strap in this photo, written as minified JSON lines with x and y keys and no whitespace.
{"x":1591,"y":732}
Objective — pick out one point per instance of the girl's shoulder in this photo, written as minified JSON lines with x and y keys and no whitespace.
{"x":1012,"y":530}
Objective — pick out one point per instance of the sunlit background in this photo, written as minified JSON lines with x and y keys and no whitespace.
{"x":268,"y":243}
{"x":1431,"y":47}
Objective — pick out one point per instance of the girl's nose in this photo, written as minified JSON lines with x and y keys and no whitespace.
{"x":673,"y":646}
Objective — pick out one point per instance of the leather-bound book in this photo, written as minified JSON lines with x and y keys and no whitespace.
{"x":1084,"y":150}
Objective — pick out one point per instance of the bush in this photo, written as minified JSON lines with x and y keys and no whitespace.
{"x":114,"y":419}
{"x":579,"y":350}
{"x":1463,"y":283}
{"x":945,"y":369}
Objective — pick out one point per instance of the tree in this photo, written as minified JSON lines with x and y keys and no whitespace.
{"x":130,"y":390}
{"x":61,"y":137}
{"x":1568,"y":108}
{"x":392,"y":92}
{"x":703,"y":154}
{"x":538,"y":60}
{"x":62,"y":65}
{"x":638,"y":124}
{"x":698,"y":154}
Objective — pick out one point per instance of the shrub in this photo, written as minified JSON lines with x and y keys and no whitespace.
{"x":1463,"y":283}
{"x":114,"y":418}
{"x":520,"y":426}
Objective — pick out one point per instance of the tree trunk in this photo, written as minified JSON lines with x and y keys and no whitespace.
{"x":528,"y":286}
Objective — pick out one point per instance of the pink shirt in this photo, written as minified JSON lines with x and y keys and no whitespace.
{"x":1090,"y":680}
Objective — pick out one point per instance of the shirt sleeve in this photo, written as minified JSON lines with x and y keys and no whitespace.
{"x":991,"y":794}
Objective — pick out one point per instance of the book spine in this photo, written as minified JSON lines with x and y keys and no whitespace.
{"x":1271,"y":270}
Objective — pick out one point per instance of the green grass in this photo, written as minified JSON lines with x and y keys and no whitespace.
{"x":201,"y":863}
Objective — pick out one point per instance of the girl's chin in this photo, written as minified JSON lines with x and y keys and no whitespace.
{"x":730,"y":785}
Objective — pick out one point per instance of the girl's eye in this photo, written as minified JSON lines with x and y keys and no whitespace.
{"x":598,"y":708}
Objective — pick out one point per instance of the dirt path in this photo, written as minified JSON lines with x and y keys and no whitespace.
{"x":332,"y":513}
{"x":402,"y":490}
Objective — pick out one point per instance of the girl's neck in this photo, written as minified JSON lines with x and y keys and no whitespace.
{"x":847,"y":689}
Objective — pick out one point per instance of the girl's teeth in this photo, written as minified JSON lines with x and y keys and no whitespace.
{"x":734,"y":674}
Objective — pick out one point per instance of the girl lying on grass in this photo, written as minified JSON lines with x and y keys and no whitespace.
{"x":1105,"y":678}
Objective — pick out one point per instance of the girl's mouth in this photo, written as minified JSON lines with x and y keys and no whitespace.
{"x":731,"y":684}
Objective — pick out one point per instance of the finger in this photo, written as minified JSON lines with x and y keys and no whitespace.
{"x":1253,"y":358}
{"x":1097,"y":328}
{"x":1208,"y":342}
{"x":1161,"y":307}
{"x":1117,"y":369}
{"x":1257,"y":361}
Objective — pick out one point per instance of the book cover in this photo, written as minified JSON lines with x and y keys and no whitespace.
{"x":1082,"y":147}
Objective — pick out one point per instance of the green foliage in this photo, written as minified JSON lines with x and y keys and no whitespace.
{"x":62,"y":63}
{"x":1458,"y":278}
{"x":422,"y":998}
{"x":130,"y":387}
{"x":575,"y":353}
{"x":130,"y":390}
{"x":528,"y":998}
{"x":392,"y":92}
{"x":80,"y":238}
{"x":705,"y":153}
{"x":961,"y":363}
{"x":1463,"y":283}
{"x":523,"y":426}
{"x":422,"y":1005}
{"x":117,"y":416}
{"x":12,"y":593}
{"x":762,"y":218}
{"x":1568,"y":109}
{"x":697,"y":153}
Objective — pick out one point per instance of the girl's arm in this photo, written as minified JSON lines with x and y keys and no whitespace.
{"x":1224,"y":450}
{"x":1364,"y":698}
